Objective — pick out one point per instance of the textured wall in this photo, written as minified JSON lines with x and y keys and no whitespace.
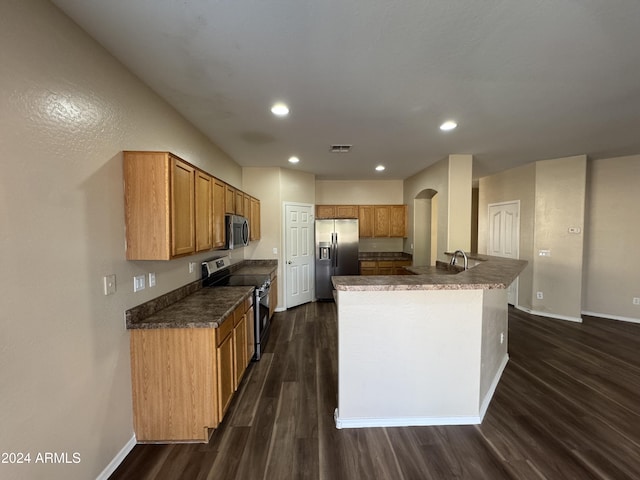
{"x":359,"y":192}
{"x":612,"y":234}
{"x":67,"y":110}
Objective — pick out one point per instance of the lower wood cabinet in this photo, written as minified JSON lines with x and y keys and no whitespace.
{"x":183,"y":379}
{"x":384,"y":267}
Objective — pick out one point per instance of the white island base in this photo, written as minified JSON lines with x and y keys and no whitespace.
{"x":419,"y":357}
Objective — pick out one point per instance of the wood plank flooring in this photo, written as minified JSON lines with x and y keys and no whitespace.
{"x":567,"y":407}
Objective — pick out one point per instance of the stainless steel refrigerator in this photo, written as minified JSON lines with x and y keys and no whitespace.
{"x":336,"y":253}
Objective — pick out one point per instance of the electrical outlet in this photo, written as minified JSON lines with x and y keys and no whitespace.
{"x":109,"y":284}
{"x":636,"y":300}
{"x":275,"y":250}
{"x":544,"y":253}
{"x":501,"y":338}
{"x":539,"y":296}
{"x":138,"y":283}
{"x":152,"y":280}
{"x":192,"y":267}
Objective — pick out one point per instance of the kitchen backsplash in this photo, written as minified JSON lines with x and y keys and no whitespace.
{"x":381,"y":244}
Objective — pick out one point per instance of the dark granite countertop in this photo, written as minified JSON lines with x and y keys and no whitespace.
{"x":257,"y":267}
{"x":206,"y":308}
{"x":363,"y":256}
{"x":192,"y":306}
{"x":490,"y":272}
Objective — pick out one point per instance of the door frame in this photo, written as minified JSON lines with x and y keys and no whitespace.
{"x":516,"y":282}
{"x":283,"y":256}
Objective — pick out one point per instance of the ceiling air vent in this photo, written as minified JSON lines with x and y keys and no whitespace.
{"x":340,"y":148}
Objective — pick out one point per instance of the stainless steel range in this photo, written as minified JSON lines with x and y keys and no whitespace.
{"x":217,"y":273}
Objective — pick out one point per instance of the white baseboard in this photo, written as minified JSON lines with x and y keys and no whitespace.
{"x":612,"y":317}
{"x":492,"y":388}
{"x":117,"y":460}
{"x":549,"y":315}
{"x":403,"y":421}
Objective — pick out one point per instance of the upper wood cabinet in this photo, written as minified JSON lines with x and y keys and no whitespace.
{"x":381,"y":221}
{"x":230,"y":200}
{"x":159,"y":206}
{"x":390,"y":221}
{"x":336,"y":211}
{"x":174,"y":209}
{"x":239,"y":208}
{"x":325,"y":211}
{"x":219,"y":192}
{"x":365,"y":220}
{"x":204,"y":211}
{"x":397,"y":220}
{"x":254,"y":227}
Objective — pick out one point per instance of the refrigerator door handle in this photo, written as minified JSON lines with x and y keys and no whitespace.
{"x":335,"y":253}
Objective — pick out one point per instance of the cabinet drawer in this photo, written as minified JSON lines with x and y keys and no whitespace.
{"x":224,"y":329}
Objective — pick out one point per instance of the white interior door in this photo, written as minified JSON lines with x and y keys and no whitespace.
{"x":298,"y":254}
{"x":504,"y":237}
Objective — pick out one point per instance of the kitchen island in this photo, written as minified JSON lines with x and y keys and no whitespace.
{"x":422,"y":349}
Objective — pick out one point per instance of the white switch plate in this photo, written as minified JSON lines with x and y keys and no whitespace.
{"x":138,"y":283}
{"x":109,"y":284}
{"x":544,"y":253}
{"x":539,"y":295}
{"x":152,"y":280}
{"x":192,"y":267}
{"x":636,"y":300}
{"x":575,"y":229}
{"x":275,"y":250}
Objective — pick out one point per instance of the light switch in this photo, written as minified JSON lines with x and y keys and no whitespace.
{"x":544,"y":253}
{"x":109,"y":284}
{"x":138,"y":283}
{"x":152,"y":280}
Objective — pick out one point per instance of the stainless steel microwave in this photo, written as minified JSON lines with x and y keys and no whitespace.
{"x":237,"y":228}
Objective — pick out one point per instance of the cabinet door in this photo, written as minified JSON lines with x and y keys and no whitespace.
{"x":381,"y":221}
{"x":346,"y":211}
{"x":204,"y":213}
{"x":368,"y":267}
{"x":398,"y":267}
{"x":325,"y":211}
{"x":246,"y":207}
{"x":226,"y":377}
{"x":251,"y":336}
{"x":398,"y":221}
{"x":219,"y":192}
{"x":229,"y":199}
{"x":240,"y":348}
{"x":385,"y":267}
{"x":254,"y":230}
{"x":365,"y":220}
{"x":182,"y":207}
{"x":146,"y":205}
{"x":239,"y":207}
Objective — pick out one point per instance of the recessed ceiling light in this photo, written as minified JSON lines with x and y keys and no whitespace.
{"x":280,"y":110}
{"x":294,"y":159}
{"x":380,"y":168}
{"x":448,"y":125}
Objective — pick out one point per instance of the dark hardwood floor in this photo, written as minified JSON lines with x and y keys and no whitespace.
{"x":567,"y":407}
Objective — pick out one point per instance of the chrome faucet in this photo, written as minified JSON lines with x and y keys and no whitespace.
{"x":464,"y":255}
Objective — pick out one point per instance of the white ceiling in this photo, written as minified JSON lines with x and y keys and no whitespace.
{"x":525,"y":79}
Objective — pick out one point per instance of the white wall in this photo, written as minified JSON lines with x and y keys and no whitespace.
{"x":552,"y":197}
{"x":275,"y":186}
{"x":451,"y":178}
{"x":67,"y":110}
{"x":611,"y":267}
{"x":359,"y":192}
